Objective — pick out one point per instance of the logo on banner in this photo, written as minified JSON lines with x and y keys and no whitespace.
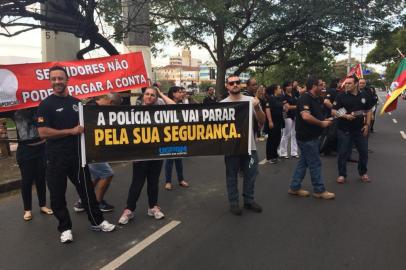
{"x":8,"y":88}
{"x":172,"y":150}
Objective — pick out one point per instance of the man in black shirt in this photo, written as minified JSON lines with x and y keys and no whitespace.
{"x":211,"y":96}
{"x":309,"y":126}
{"x":372,"y":99}
{"x":353,"y":111}
{"x":58,"y":123}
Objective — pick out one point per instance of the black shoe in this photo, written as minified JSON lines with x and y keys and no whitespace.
{"x":105,"y":207}
{"x":236,"y":210}
{"x":78,"y":207}
{"x":253,"y":207}
{"x":273,"y":161}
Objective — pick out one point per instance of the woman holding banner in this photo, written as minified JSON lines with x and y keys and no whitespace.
{"x":175,"y":93}
{"x":148,"y":170}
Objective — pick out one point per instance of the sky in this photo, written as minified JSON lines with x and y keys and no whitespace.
{"x":26,"y":48}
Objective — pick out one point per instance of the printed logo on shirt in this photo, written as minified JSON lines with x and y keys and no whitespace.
{"x":59,"y":110}
{"x":306,"y":107}
{"x":75,"y":107}
{"x":328,"y":95}
{"x":334,"y":103}
{"x":363,"y":101}
{"x":40,"y":120}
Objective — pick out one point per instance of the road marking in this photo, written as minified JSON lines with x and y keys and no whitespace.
{"x":116,"y":263}
{"x":403,"y":134}
{"x":395,"y":121}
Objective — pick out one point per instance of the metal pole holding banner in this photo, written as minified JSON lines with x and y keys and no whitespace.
{"x":82,"y":136}
{"x":250,"y":128}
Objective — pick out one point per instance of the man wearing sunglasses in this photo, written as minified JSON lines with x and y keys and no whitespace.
{"x":247,"y":163}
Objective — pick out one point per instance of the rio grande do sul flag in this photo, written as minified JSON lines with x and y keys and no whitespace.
{"x":397,"y":87}
{"x":26,"y":85}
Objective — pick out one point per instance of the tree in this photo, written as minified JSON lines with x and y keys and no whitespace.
{"x":83,"y":18}
{"x":261,"y":32}
{"x":386,"y":51}
{"x":306,"y":60}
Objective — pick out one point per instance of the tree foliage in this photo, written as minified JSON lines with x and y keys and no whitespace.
{"x":261,"y":32}
{"x":306,"y":60}
{"x":86,"y":19}
{"x":386,"y":51}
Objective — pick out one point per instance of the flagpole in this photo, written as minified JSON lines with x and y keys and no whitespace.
{"x":401,"y":54}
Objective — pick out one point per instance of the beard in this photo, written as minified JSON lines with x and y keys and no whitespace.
{"x":235,"y":91}
{"x":59,"y":87}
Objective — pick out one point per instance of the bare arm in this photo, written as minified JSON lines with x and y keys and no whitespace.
{"x":313,"y":120}
{"x":51,"y":133}
{"x":165,"y":98}
{"x":328,"y":103}
{"x":269,"y":116}
{"x":259,"y":114}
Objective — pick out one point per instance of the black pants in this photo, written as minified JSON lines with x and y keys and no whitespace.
{"x":59,"y":167}
{"x":273,"y":141}
{"x":33,"y":170}
{"x":144,"y":170}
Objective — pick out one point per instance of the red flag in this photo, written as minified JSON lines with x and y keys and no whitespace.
{"x":356,"y":70}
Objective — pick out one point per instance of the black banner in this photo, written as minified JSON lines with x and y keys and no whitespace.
{"x":120,"y":133}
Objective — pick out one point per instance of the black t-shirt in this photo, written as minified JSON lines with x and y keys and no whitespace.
{"x":210,"y":100}
{"x":331,"y":95}
{"x":275,"y":104}
{"x":304,"y":130}
{"x":358,"y":105}
{"x":60,"y":113}
{"x":255,"y":125}
{"x":27,"y":134}
{"x":371,"y":95}
{"x":291,"y":100}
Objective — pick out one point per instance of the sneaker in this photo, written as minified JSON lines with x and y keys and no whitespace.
{"x":66,"y":237}
{"x":264,"y":161}
{"x":78,"y":207}
{"x":126,"y":216}
{"x":105,"y":207}
{"x":155,"y":212}
{"x":253,"y":207}
{"x":236,"y":210}
{"x":273,"y":161}
{"x":105,"y":226}
{"x":299,"y":192}
{"x":295,"y":156}
{"x":324,"y":195}
{"x":285,"y":157}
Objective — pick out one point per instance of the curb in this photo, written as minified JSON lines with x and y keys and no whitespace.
{"x":10,"y":185}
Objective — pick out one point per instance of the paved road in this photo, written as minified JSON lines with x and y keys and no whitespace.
{"x":363,"y":228}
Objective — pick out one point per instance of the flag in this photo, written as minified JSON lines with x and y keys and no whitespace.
{"x":397,"y":87}
{"x":356,"y":70}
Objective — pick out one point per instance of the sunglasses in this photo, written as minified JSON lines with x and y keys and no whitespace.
{"x":234,"y":83}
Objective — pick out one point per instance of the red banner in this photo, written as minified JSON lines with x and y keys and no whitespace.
{"x":26,"y":85}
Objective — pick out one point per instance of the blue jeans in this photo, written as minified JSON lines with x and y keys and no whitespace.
{"x":345,"y":142}
{"x":168,"y":169}
{"x":249,"y":166}
{"x":309,"y":158}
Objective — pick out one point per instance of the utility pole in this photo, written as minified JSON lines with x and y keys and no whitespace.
{"x":349,"y":57}
{"x":56,"y":45}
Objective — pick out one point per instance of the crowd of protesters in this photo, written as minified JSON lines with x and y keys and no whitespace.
{"x":298,"y":121}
